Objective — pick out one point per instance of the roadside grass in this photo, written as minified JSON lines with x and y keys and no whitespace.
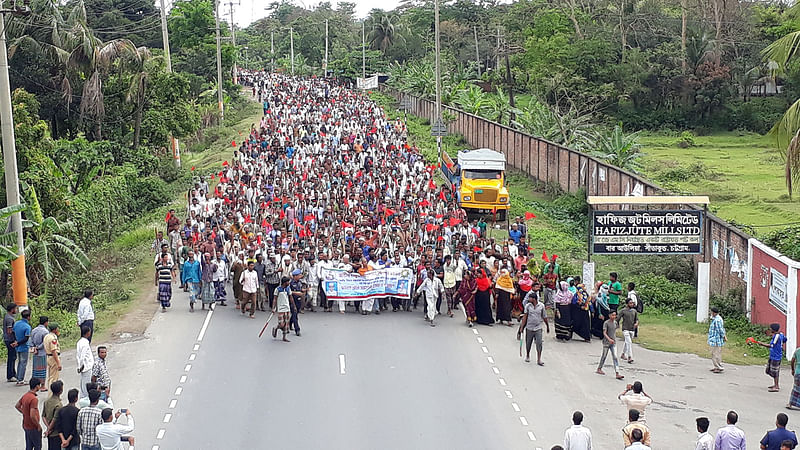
{"x":742,"y":173}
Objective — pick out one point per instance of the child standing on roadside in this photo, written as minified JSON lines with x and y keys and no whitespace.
{"x":775,"y":346}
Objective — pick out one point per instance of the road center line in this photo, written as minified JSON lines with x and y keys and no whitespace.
{"x":496,"y":370}
{"x":490,"y":359}
{"x":172,"y":403}
{"x":531,"y":435}
{"x":187,"y":368}
{"x":523,"y":420}
{"x":341,"y":364}
{"x":474,"y":330}
{"x":192,"y":356}
{"x":178,"y":390}
{"x":508,"y":394}
{"x":515,"y":406}
{"x":196,"y":347}
{"x":155,"y":447}
{"x":480,"y":340}
{"x":167,"y":417}
{"x":183,"y":379}
{"x":485,"y":350}
{"x":502,"y":381}
{"x":205,"y":326}
{"x":160,"y":434}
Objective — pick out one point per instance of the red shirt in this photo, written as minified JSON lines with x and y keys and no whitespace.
{"x":28,"y":404}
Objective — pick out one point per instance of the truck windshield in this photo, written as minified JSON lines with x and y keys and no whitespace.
{"x":482,"y":174}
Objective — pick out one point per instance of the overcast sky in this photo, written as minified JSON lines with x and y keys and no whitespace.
{"x":251,"y":10}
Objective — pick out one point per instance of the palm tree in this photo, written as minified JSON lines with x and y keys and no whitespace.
{"x":141,"y":67}
{"x":620,"y":149}
{"x":385,"y":31}
{"x":787,"y":131}
{"x":49,"y":250}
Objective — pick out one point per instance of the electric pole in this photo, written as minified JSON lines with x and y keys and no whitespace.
{"x":19,"y":282}
{"x":291,"y":46}
{"x":272,"y":51}
{"x":497,"y":62}
{"x":233,"y":40}
{"x":477,"y":50}
{"x":176,"y":150}
{"x":438,"y":79}
{"x":325,"y":62}
{"x":364,"y":49}
{"x":219,"y":64}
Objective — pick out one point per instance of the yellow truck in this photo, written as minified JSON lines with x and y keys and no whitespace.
{"x":478,"y":179}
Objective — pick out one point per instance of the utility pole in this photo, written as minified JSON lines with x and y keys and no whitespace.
{"x":477,"y":50}
{"x":291,"y":45}
{"x":438,"y":79}
{"x":364,"y":49}
{"x":176,"y":149}
{"x":325,"y":62}
{"x":272,"y":51}
{"x":219,"y":64}
{"x":497,"y":61}
{"x":19,"y":282}
{"x":233,"y":41}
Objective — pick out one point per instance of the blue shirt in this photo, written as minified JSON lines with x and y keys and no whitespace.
{"x":772,"y":440}
{"x":776,"y":347}
{"x":716,"y":332}
{"x":22,"y":331}
{"x":191,"y":272}
{"x":515,"y":235}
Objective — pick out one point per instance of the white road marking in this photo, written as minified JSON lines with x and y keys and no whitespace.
{"x":205,"y":325}
{"x":196,"y":347}
{"x":160,"y":434}
{"x":475,"y":330}
{"x":532,"y":436}
{"x":480,"y":340}
{"x":187,"y":368}
{"x":192,"y":356}
{"x":178,"y":390}
{"x":508,"y":394}
{"x":341,"y":365}
{"x":183,"y":379}
{"x":172,"y":403}
{"x":155,"y":447}
{"x":496,"y":370}
{"x":502,"y":381}
{"x":490,"y":359}
{"x":515,"y":406}
{"x":167,"y":417}
{"x":485,"y":350}
{"x":523,"y":420}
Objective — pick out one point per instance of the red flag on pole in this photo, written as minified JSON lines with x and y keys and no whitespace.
{"x":166,"y":219}
{"x":454,"y":221}
{"x":388,"y":212}
{"x":263,"y":223}
{"x":441,"y":195}
{"x":248,"y":219}
{"x":346,"y":225}
{"x":544,"y":256}
{"x":424,"y":203}
{"x":308,"y":218}
{"x":440,"y":238}
{"x":224,"y":164}
{"x":476,"y":248}
{"x":233,"y":143}
{"x":529,"y":216}
{"x":192,"y":168}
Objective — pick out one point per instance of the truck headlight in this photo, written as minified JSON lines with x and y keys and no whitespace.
{"x":503,"y":199}
{"x":467,"y":198}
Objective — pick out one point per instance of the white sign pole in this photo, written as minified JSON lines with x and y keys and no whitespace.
{"x":703,"y":290}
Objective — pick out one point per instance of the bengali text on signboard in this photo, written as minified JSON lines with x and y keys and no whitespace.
{"x":658,"y":232}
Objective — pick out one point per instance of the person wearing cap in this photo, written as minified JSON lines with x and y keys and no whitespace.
{"x":53,"y":352}
{"x":298,"y":290}
{"x":716,"y":339}
{"x":776,"y":346}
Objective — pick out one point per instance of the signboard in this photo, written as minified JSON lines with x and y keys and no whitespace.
{"x":367,"y":83}
{"x":777,"y":289}
{"x":438,"y":128}
{"x":657,"y":232}
{"x":391,"y":282}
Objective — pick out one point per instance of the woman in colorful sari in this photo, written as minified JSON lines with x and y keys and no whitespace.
{"x":563,"y":300}
{"x":467,"y":290}
{"x":503,"y":290}
{"x":581,"y":322}
{"x":601,"y":309}
{"x":483,"y":306}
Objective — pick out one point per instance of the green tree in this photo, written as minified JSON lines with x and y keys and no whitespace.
{"x":384,"y":31}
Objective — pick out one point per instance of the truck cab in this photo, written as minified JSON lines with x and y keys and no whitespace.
{"x":478,"y":178}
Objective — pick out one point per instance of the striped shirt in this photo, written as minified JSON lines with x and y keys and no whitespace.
{"x":164,"y":273}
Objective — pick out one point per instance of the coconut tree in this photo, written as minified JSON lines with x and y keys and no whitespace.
{"x":385,"y":31}
{"x":787,"y":131}
{"x":141,"y":67}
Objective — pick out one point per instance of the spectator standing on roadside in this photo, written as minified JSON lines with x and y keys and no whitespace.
{"x":634,"y":397}
{"x":577,"y":437}
{"x":53,"y":352}
{"x":629,"y":319}
{"x":86,"y":312}
{"x":100,"y":372}
{"x":635,"y":424}
{"x":730,"y":437}
{"x":777,"y":342}
{"x":22,"y":335}
{"x":716,"y":339}
{"x":609,"y":341}
{"x":67,"y":423}
{"x":28,"y":406}
{"x":704,"y":441}
{"x":85,"y":358}
{"x":9,"y":339}
{"x":39,"y":363}
{"x":51,"y":407}
{"x":775,"y":438}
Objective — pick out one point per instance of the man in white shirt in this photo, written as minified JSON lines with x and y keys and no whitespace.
{"x":634,"y":397}
{"x":85,"y":358}
{"x":249,"y":280}
{"x":704,"y":441}
{"x":433,"y":290}
{"x":577,"y":437}
{"x":111,"y":434}
{"x":86,"y":311}
{"x":730,"y":437}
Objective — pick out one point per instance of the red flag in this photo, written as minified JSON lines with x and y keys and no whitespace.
{"x":233,"y":143}
{"x":224,"y":163}
{"x":440,"y":238}
{"x":476,"y":248}
{"x":309,"y":218}
{"x":166,"y":219}
{"x":220,"y":175}
{"x":282,"y":214}
{"x":431,"y":227}
{"x":346,"y":203}
{"x":454,"y":221}
{"x":424,"y":203}
{"x":389,"y":212}
{"x":431,"y":184}
{"x":439,"y":216}
{"x":248,"y":219}
{"x":347,"y":225}
{"x":441,"y":195}
{"x":553,"y":257}
{"x":529,"y":216}
{"x":544,"y":256}
{"x":192,"y":168}
{"x":263,"y":223}
{"x":212,"y":176}
{"x":296,"y":223}
{"x":305,"y":176}
{"x":475,"y":230}
{"x":258,"y":239}
{"x":276,"y":200}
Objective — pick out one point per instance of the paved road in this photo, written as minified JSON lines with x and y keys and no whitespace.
{"x":405,"y":385}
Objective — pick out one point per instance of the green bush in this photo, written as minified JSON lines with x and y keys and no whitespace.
{"x":686,"y":140}
{"x":665,"y":295}
{"x":786,"y":241}
{"x":758,"y":114}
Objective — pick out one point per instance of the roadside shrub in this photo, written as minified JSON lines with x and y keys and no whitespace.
{"x":686,"y":140}
{"x":147,"y":193}
{"x":665,"y":295}
{"x":758,"y":114}
{"x":786,"y":241}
